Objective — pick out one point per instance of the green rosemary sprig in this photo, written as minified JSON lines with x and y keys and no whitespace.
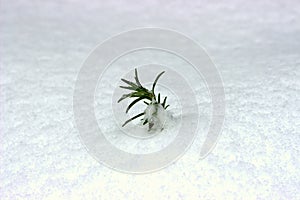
{"x":141,"y":93}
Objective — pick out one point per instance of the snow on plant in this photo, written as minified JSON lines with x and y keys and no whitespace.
{"x":155,"y":112}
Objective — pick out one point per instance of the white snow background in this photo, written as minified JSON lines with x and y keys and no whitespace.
{"x":256,"y":47}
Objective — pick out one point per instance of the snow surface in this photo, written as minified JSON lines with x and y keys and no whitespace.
{"x":256,"y":46}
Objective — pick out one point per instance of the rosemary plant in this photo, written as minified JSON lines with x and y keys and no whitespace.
{"x":141,"y":93}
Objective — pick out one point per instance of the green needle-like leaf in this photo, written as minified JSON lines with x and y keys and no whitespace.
{"x":130,"y":83}
{"x":145,"y":122}
{"x":141,"y":94}
{"x":124,"y":97}
{"x":154,"y":84}
{"x":129,"y":88}
{"x":137,"y":78}
{"x":134,"y":102}
{"x":133,"y":118}
{"x":164,"y":102}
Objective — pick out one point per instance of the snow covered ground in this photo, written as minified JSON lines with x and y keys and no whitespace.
{"x":256,"y":47}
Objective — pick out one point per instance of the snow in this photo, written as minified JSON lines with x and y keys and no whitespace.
{"x":255,"y":46}
{"x":156,"y":115}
